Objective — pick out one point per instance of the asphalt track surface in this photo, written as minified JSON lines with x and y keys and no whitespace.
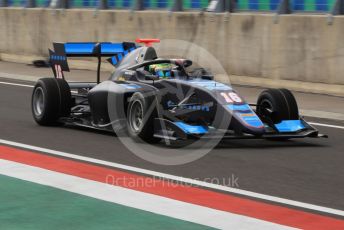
{"x":306,"y":170}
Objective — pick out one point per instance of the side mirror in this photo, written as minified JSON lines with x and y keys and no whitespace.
{"x":151,"y":77}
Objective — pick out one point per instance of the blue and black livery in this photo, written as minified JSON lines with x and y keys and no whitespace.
{"x":134,"y":101}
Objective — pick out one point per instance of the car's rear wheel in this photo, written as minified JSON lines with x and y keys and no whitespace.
{"x":140,"y":117}
{"x":51,"y":100}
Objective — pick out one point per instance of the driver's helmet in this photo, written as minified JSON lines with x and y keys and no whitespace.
{"x":163,"y":70}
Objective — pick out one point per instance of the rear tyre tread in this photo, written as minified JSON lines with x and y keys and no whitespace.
{"x":57,"y":101}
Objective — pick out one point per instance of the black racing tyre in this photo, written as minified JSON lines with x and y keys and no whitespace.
{"x":140,"y":118}
{"x":51,"y":99}
{"x":281,"y":102}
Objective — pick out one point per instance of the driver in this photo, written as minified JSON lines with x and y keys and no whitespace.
{"x":163,"y":70}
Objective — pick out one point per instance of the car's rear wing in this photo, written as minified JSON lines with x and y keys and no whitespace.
{"x":58,"y":57}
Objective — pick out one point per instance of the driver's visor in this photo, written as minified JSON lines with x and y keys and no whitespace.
{"x":164,"y":73}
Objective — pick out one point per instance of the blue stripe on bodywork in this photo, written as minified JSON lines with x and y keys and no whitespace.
{"x":251,"y":119}
{"x":289,"y":126}
{"x":246,"y":114}
{"x":210,"y":84}
{"x":191,"y":129}
{"x":243,"y":107}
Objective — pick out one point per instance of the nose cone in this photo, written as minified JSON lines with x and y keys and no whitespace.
{"x":245,"y":119}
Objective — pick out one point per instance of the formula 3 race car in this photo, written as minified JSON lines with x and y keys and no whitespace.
{"x":152,"y":98}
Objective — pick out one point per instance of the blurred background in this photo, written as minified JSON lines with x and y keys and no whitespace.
{"x":268,"y":43}
{"x":240,"y":5}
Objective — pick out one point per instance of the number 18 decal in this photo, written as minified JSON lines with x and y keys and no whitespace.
{"x":231,"y":97}
{"x":59,"y":73}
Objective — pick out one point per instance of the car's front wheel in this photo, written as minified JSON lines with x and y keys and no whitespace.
{"x":276,"y":105}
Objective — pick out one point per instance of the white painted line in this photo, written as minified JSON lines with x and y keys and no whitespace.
{"x":322,"y":114}
{"x":180,"y":179}
{"x":135,"y":199}
{"x":12,"y":76}
{"x":327,"y":125}
{"x":16,"y":84}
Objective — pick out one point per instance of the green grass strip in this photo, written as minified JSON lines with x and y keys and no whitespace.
{"x":29,"y":206}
